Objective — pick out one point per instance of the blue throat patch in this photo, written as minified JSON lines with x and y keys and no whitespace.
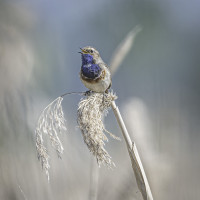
{"x":88,"y":68}
{"x":86,"y":59}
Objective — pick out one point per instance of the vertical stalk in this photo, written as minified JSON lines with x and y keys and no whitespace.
{"x":94,"y":178}
{"x":138,"y":169}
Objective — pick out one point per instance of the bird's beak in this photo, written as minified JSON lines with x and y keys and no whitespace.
{"x":82,"y":51}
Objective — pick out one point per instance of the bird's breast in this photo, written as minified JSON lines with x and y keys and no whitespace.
{"x":99,"y":84}
{"x":91,"y":71}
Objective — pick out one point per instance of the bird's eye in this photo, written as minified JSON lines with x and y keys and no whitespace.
{"x":91,"y":51}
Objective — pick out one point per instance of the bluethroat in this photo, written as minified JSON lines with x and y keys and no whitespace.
{"x":94,"y":73}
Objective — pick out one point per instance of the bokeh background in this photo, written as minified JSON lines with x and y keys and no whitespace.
{"x":158,"y":86}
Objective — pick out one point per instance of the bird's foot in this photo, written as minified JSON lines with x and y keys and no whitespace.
{"x":87,"y":93}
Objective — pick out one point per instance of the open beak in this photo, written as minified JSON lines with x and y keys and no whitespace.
{"x":82,"y":51}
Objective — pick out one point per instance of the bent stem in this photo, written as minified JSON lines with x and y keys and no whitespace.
{"x":138,"y":169}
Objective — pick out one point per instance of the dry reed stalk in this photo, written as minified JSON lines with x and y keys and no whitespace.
{"x":123,"y":49}
{"x":138,"y":169}
{"x":94,"y":178}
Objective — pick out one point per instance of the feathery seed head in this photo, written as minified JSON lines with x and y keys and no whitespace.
{"x":51,"y":123}
{"x":91,"y":111}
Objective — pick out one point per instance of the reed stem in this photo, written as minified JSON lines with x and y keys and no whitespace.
{"x":137,"y":166}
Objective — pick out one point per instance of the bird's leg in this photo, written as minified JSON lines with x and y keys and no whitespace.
{"x":104,"y":96}
{"x":106,"y":92}
{"x":103,"y":99}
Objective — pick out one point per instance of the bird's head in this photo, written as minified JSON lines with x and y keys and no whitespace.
{"x":92,"y":52}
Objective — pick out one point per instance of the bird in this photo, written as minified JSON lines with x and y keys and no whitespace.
{"x":94,"y":74}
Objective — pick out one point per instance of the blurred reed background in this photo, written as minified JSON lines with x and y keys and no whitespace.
{"x":157,"y":84}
